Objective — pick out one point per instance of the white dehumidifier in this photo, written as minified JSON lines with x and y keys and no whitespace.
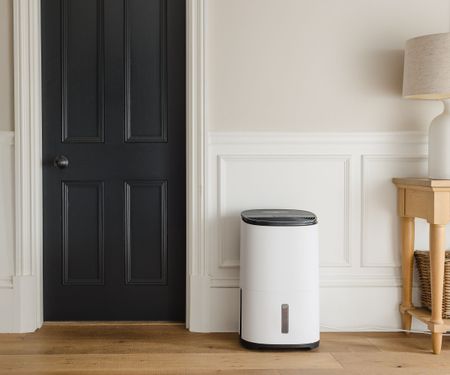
{"x":279,"y":279}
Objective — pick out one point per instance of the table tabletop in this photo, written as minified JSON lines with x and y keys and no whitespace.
{"x":423,"y":182}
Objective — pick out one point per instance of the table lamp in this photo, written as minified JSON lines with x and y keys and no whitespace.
{"x":427,"y":76}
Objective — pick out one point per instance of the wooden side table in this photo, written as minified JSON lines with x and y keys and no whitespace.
{"x":430,"y":200}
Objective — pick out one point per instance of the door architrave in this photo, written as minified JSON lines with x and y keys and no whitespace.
{"x":27,"y":279}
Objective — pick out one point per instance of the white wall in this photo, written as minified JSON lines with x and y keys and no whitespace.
{"x":314,"y":65}
{"x":304,"y":110}
{"x":7,"y":319}
{"x":6,"y":66}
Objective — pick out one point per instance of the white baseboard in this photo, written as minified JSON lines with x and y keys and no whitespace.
{"x":26,"y":315}
{"x":18,"y":306}
{"x":6,"y":310}
{"x":199,"y":314}
{"x":341,"y":309}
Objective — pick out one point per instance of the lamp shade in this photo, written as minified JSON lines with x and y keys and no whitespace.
{"x":427,"y":67}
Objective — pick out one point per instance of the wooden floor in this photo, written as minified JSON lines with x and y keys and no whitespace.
{"x":102,"y":349}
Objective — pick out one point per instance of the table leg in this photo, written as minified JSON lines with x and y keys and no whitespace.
{"x":437,"y":259}
{"x":407,"y":229}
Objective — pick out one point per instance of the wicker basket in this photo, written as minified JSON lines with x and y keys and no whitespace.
{"x":423,"y":266}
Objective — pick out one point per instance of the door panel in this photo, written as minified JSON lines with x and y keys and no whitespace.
{"x":146,"y":230}
{"x":82,"y":232}
{"x":82,"y":66}
{"x":114,"y":105}
{"x":145,"y":71}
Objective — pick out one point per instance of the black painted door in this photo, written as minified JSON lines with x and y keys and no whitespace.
{"x":114,"y":111}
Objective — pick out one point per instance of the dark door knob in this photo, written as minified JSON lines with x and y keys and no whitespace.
{"x":61,"y":162}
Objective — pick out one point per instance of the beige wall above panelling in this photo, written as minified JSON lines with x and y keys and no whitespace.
{"x":315,"y":65}
{"x":6,"y":66}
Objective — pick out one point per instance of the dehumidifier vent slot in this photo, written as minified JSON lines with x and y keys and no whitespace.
{"x":284,"y":318}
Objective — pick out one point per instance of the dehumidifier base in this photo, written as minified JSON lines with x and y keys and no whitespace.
{"x":254,"y":345}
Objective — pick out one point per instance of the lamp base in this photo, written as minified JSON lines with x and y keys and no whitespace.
{"x":439,"y":145}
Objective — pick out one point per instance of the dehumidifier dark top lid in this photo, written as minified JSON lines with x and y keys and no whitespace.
{"x":279,"y":218}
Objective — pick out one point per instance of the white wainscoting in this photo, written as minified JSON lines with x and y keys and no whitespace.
{"x":6,"y":229}
{"x":6,"y":208}
{"x":345,"y":179}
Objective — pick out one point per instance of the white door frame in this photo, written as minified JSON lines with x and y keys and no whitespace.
{"x":28,"y":279}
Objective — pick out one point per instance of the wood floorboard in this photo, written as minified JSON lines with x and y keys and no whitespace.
{"x":136,"y":349}
{"x":170,"y":362}
{"x":387,"y":360}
